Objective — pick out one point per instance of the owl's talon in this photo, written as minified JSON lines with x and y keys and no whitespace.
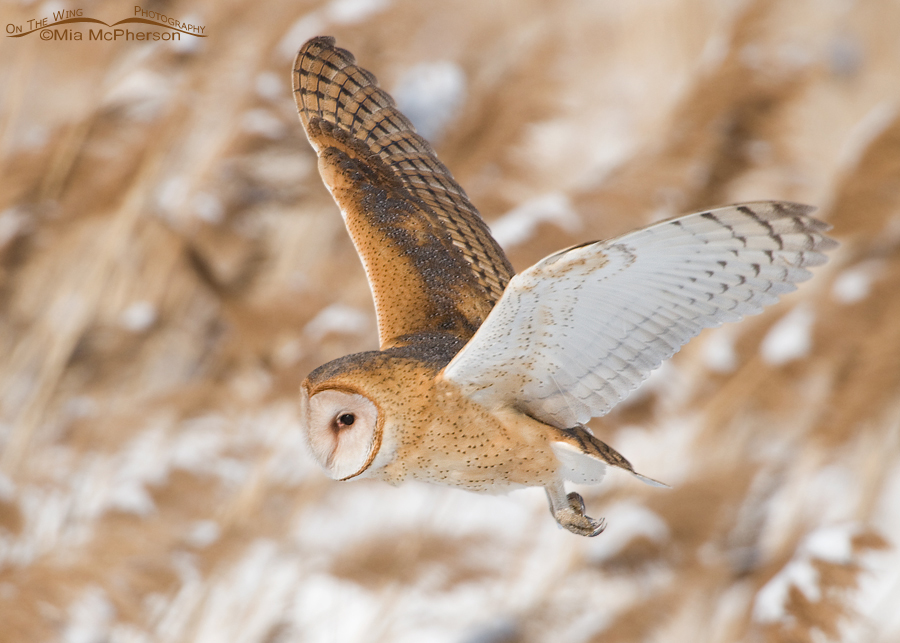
{"x":579,"y":523}
{"x":571,"y":516}
{"x":576,"y":502}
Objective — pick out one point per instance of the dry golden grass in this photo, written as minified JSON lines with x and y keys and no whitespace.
{"x":166,"y":249}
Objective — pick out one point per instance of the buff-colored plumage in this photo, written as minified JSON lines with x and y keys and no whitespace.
{"x":484,"y":381}
{"x":410,"y":221}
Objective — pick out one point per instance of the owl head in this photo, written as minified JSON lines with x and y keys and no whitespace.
{"x":343,"y":424}
{"x":355,"y":411}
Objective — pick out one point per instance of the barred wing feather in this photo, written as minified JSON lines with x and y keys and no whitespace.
{"x":430,"y":259}
{"x":575,"y":333}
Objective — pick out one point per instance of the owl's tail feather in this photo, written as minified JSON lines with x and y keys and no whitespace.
{"x":650,"y":481}
{"x":583,"y":458}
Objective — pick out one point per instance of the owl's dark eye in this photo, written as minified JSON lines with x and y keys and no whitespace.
{"x":346,"y":419}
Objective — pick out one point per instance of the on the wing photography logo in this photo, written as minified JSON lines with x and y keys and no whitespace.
{"x":65,"y":25}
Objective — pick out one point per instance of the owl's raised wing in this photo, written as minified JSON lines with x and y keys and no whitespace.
{"x":573,"y":334}
{"x":430,"y":259}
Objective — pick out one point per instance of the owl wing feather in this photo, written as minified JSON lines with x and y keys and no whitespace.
{"x":430,"y":260}
{"x":576,"y":332}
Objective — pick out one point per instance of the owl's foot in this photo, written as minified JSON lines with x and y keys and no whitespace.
{"x":569,"y":513}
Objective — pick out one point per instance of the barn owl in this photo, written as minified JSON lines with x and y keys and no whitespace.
{"x":485,"y":379}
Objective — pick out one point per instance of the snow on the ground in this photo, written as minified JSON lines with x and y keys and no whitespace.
{"x":719,"y":354}
{"x":626,"y":521}
{"x":519,"y":224}
{"x":855,"y":283}
{"x":831,"y":543}
{"x":321,"y":21}
{"x":790,"y":338}
{"x":138,"y":316}
{"x":431,"y":95}
{"x":337,"y":318}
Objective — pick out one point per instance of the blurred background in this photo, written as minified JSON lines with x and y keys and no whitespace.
{"x":171,"y":268}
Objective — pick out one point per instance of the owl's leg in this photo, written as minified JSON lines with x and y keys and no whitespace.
{"x":568,"y":509}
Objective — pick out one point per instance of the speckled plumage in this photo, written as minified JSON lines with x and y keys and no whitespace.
{"x":484,"y":380}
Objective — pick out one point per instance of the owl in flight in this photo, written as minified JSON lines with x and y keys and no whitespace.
{"x":486,"y":379}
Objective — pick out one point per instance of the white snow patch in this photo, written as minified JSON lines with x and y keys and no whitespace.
{"x":278,"y":429}
{"x":715,"y":49}
{"x":879,"y":587}
{"x":414,"y":507}
{"x":262,"y":122}
{"x":89,"y":618}
{"x":831,"y":543}
{"x":106,"y":483}
{"x":309,"y":26}
{"x":326,"y":608}
{"x":252,"y":383}
{"x":790,"y":338}
{"x":138,"y":317}
{"x":759,"y":152}
{"x":34,"y":136}
{"x":718,"y":350}
{"x":129,"y":633}
{"x":520,"y":223}
{"x":666,"y":451}
{"x":612,"y":139}
{"x":269,"y":85}
{"x":208,"y":207}
{"x":171,"y":194}
{"x":131,"y":497}
{"x":351,"y":12}
{"x":13,"y":222}
{"x":279,"y":169}
{"x":190,"y":44}
{"x":854,"y":284}
{"x":142,"y":93}
{"x":431,"y":95}
{"x":626,"y":521}
{"x":201,"y":452}
{"x":199,"y":443}
{"x":832,"y":493}
{"x":287,"y":352}
{"x":810,"y":494}
{"x":7,"y":487}
{"x":173,"y":617}
{"x":79,"y":406}
{"x":203,"y":533}
{"x":771,"y":601}
{"x":248,"y":601}
{"x":44,"y":512}
{"x":48,"y":8}
{"x":144,"y":459}
{"x":316,"y":23}
{"x":337,"y":318}
{"x":790,"y":55}
{"x":793,"y":55}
